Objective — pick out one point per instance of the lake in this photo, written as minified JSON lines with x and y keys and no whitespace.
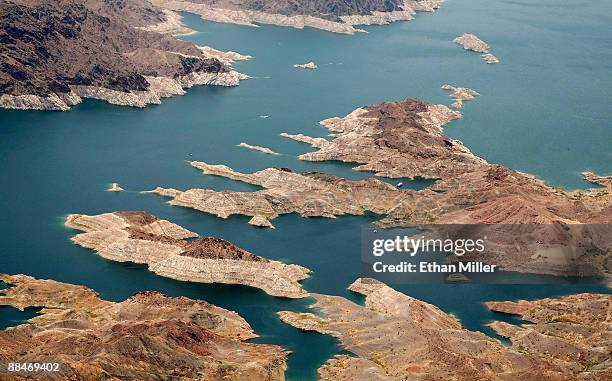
{"x":545,"y":110}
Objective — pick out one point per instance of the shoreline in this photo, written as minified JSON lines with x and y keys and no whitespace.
{"x":173,"y":25}
{"x":147,"y":336}
{"x":159,"y":66}
{"x":412,"y":337}
{"x":160,"y":87}
{"x":252,"y":17}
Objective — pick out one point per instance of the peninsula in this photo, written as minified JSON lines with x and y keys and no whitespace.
{"x":149,"y":336}
{"x":311,"y":194}
{"x":460,"y":94}
{"x":334,"y":16}
{"x":56,"y":52}
{"x":406,"y":139}
{"x":140,"y":237}
{"x":261,"y":149}
{"x":574,"y":327}
{"x":396,"y":337}
{"x":470,"y":41}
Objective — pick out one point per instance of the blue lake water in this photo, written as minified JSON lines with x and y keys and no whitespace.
{"x":545,"y":109}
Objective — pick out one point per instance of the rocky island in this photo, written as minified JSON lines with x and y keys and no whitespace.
{"x":147,"y":337}
{"x":396,"y":337}
{"x":470,"y":41}
{"x":140,"y":237}
{"x":115,"y":187}
{"x":460,"y":94}
{"x":310,"y":65}
{"x":334,"y":16}
{"x":54,"y":53}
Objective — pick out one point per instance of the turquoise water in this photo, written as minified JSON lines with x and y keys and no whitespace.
{"x":545,"y":109}
{"x":11,"y":316}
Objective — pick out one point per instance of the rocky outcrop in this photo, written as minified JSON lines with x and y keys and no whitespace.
{"x":172,"y":24}
{"x":406,"y":139}
{"x":604,"y":181}
{"x":228,"y":57}
{"x":115,"y":187}
{"x":334,"y":16}
{"x":315,"y":142}
{"x":54,"y":53}
{"x":310,"y":65}
{"x":146,"y":337}
{"x":142,"y":238}
{"x":258,"y":148}
{"x":470,"y":41}
{"x":396,"y":337}
{"x":261,"y":221}
{"x":460,"y":94}
{"x":490,"y":58}
{"x":310,"y":194}
{"x":571,"y":330}
{"x":395,"y":139}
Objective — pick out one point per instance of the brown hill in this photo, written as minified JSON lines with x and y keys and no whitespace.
{"x":53,"y":49}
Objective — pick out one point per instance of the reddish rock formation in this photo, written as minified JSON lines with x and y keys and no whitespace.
{"x":55,"y":52}
{"x":572,"y":330}
{"x":396,"y":337}
{"x":406,"y":139}
{"x":146,"y":337}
